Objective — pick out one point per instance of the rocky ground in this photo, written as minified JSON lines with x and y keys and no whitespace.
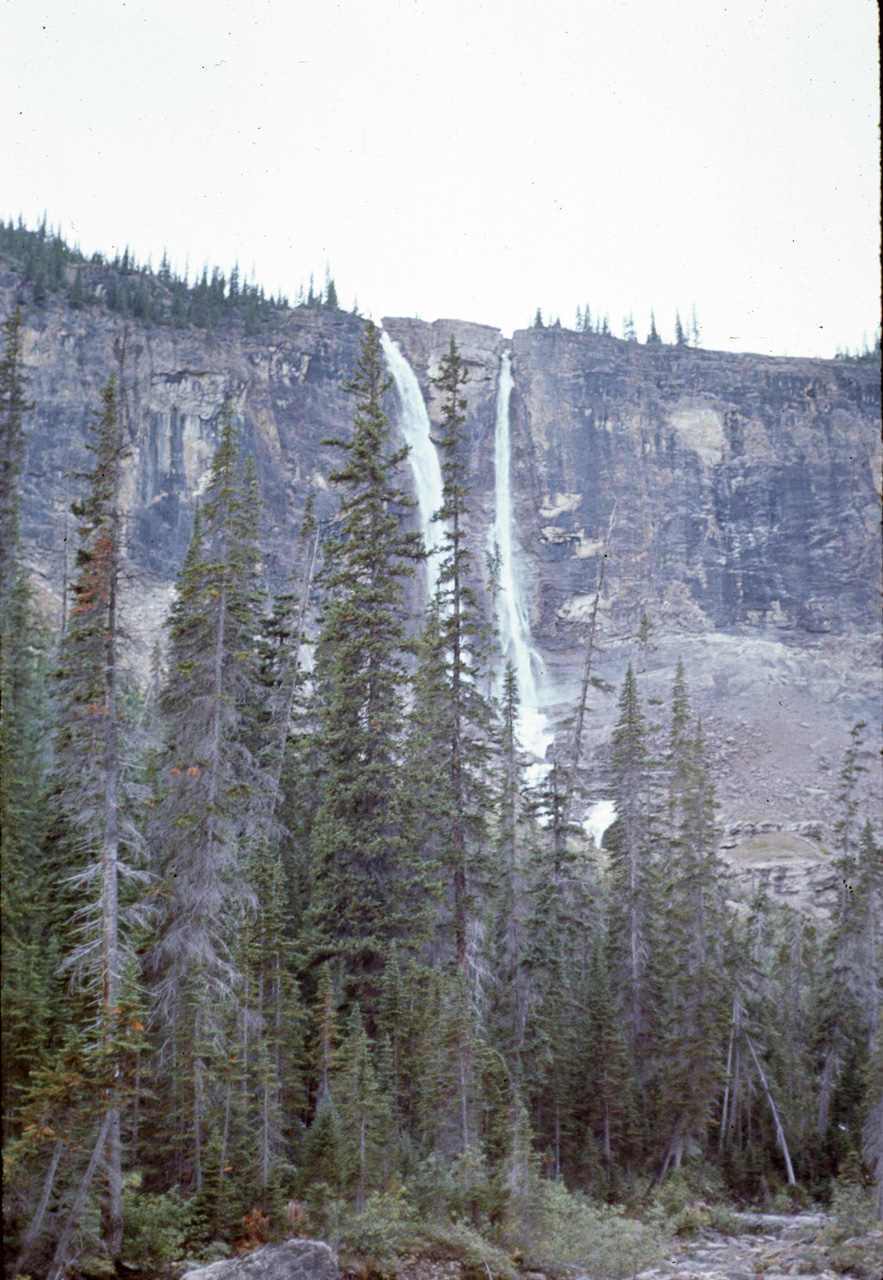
{"x":773,"y":1246}
{"x":768,"y":1246}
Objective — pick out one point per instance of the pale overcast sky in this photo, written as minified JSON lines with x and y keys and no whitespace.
{"x":472,"y":159}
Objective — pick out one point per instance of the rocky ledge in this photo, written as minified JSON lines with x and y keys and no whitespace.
{"x":747,"y":494}
{"x":775,"y":1246}
{"x":293,"y":1260}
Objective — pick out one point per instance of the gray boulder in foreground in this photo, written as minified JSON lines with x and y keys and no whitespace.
{"x":293,"y":1260}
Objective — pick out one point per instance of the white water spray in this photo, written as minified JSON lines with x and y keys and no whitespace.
{"x":422,"y":457}
{"x":534,"y":730}
{"x":601,"y":815}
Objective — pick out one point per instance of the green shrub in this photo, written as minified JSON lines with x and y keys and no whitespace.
{"x":471,"y":1248}
{"x":690,"y":1220}
{"x":390,"y":1227}
{"x":722,"y":1218}
{"x":325,"y":1212}
{"x":573,"y":1233}
{"x":155,"y":1228}
{"x":854,"y":1238}
{"x":386,"y":1227}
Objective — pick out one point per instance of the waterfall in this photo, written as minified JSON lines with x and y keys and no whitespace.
{"x":422,"y":455}
{"x":515,"y":637}
{"x":600,"y":816}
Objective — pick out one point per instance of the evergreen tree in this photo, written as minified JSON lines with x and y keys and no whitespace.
{"x":78,"y":295}
{"x":281,"y":644}
{"x":694,"y":997}
{"x":695,"y":329}
{"x":210,"y":785}
{"x":653,"y":336}
{"x":31,"y":995}
{"x":560,"y":928}
{"x":360,"y":1107}
{"x":850,"y":1000}
{"x":89,"y":762}
{"x":268,"y":1014}
{"x":326,"y":1161}
{"x":463,"y":639}
{"x":396,"y":1026}
{"x":331,"y":301}
{"x":869,"y":904}
{"x":449,"y":1038}
{"x":325,"y":1031}
{"x":607,"y":1084}
{"x":209,"y":778}
{"x":512,"y":978}
{"x":629,"y":332}
{"x":632,"y":898}
{"x":13,"y":404}
{"x":680,"y":332}
{"x":872,"y":1130}
{"x":366,"y":893}
{"x":426,"y":765}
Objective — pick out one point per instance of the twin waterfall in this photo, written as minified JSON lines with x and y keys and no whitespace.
{"x":534,"y":730}
{"x":422,"y":456}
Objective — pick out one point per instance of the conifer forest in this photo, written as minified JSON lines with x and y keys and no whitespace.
{"x":297,"y":936}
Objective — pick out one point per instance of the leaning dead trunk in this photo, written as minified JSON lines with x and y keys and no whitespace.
{"x":780,"y":1132}
{"x":587,"y":669}
{"x":59,"y":1259}
{"x":37,"y":1221}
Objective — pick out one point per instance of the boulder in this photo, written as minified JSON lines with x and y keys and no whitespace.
{"x":293,"y":1260}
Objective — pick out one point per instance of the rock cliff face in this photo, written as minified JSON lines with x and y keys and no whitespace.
{"x":747,"y":525}
{"x":747,"y":517}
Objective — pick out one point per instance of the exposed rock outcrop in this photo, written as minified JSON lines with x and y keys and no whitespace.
{"x":747,"y":525}
{"x":293,"y":1260}
{"x":747,"y":517}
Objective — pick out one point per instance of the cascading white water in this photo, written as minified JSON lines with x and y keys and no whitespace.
{"x":422,"y":457}
{"x":601,"y":815}
{"x":535,"y":732}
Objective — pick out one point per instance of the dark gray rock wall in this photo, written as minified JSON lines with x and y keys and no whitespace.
{"x":747,"y":525}
{"x":746,"y":492}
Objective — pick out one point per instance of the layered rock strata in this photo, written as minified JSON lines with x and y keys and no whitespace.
{"x":747,"y":518}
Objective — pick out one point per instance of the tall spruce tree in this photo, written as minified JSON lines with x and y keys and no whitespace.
{"x":633,"y":903}
{"x":210,"y":783}
{"x":463,"y":640}
{"x":89,"y":765}
{"x":13,"y":404}
{"x":560,"y":931}
{"x":694,"y":993}
{"x":850,"y":999}
{"x":512,"y":976}
{"x":30,"y":958}
{"x":31,"y":996}
{"x":606,"y":1088}
{"x":212,"y":794}
{"x":366,"y":892}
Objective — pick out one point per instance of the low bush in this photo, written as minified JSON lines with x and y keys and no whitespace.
{"x":385,"y":1228}
{"x":471,"y":1248}
{"x":854,"y":1238}
{"x":574,"y":1234}
{"x":155,"y":1227}
{"x":723,"y":1219}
